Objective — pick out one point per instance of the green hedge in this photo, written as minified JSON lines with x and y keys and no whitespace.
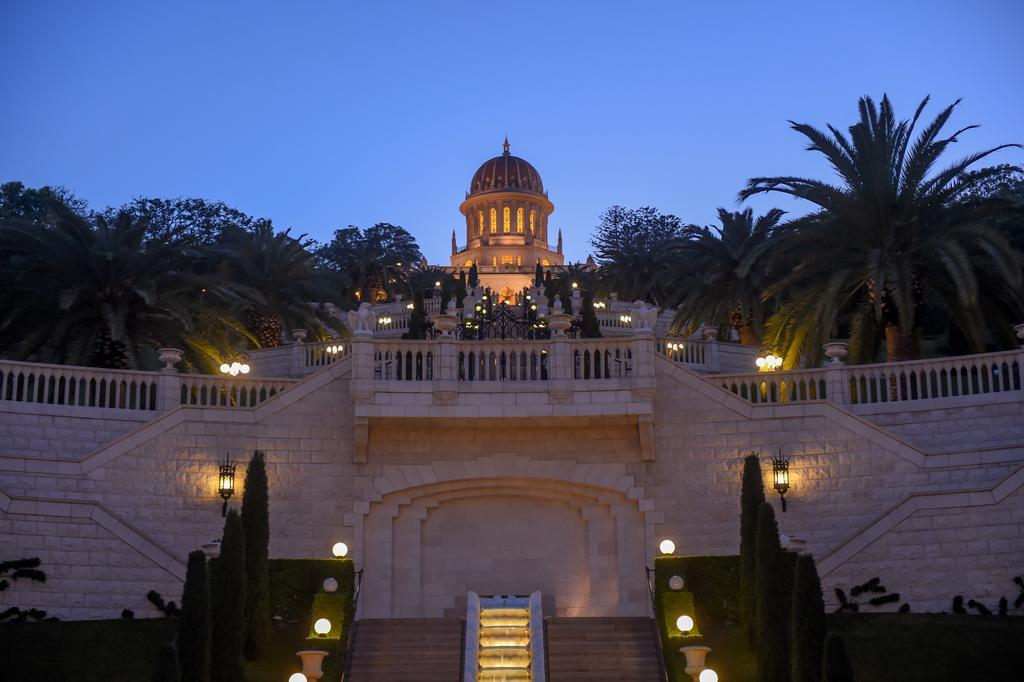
{"x":713,"y":580}
{"x":294,"y":582}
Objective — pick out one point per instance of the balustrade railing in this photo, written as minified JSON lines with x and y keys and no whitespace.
{"x":966,"y":375}
{"x":507,"y":361}
{"x":403,"y":361}
{"x":23,"y":382}
{"x":777,"y":387}
{"x":684,"y":351}
{"x":323,"y":353}
{"x":602,"y":360}
{"x":213,"y":391}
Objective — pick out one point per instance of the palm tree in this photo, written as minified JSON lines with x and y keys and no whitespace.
{"x":275,"y":278}
{"x":91,"y":291}
{"x":890,"y":238}
{"x":727,"y":272}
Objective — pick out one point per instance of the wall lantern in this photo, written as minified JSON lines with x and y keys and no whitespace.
{"x":667,"y":547}
{"x":226,"y":484}
{"x":780,"y":477}
{"x":322,"y":627}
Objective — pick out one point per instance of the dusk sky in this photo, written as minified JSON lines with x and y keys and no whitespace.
{"x":324,"y":114}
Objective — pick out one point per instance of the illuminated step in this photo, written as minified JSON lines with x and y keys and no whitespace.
{"x":504,"y":657}
{"x":517,"y":675}
{"x":504,"y":636}
{"x":504,"y":617}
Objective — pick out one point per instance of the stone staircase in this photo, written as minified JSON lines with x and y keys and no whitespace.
{"x":602,"y":650}
{"x":406,"y":650}
{"x":504,"y":644}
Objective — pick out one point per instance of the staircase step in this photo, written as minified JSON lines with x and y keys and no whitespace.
{"x":406,"y":650}
{"x":602,"y":650}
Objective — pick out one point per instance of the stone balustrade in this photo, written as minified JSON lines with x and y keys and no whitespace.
{"x":895,"y":382}
{"x":24,"y":382}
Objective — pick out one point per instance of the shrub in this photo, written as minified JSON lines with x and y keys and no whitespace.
{"x":166,"y":667}
{"x":590,"y":328}
{"x":836,"y":664}
{"x":714,"y":582}
{"x":294,"y":582}
{"x":194,"y":623}
{"x":807,"y":616}
{"x":773,"y":594}
{"x":337,"y":608}
{"x":751,"y":497}
{"x":256,"y":529}
{"x":228,"y":580}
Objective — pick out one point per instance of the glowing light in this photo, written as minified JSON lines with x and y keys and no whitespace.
{"x":383,"y":320}
{"x":330,"y":585}
{"x":708,"y":675}
{"x":667,"y":547}
{"x":225,"y":368}
{"x":768,"y":363}
{"x":684,"y":623}
{"x":322,"y":626}
{"x":676,"y":583}
{"x":409,"y":306}
{"x":235,"y":368}
{"x":575,"y":285}
{"x":625,"y":319}
{"x":437,"y":284}
{"x":297,"y":677}
{"x":340,"y":549}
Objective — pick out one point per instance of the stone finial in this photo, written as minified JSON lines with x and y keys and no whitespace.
{"x":299,"y":335}
{"x":709,"y":332}
{"x":836,"y":351}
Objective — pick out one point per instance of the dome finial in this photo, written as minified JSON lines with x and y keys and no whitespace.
{"x":506,"y":145}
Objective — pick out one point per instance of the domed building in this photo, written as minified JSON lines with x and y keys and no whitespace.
{"x":506,"y":211}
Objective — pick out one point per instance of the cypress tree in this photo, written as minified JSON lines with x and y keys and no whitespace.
{"x":166,"y":667}
{"x":538,"y":275}
{"x":256,"y":530}
{"x":417,"y":319}
{"x":773,"y":594}
{"x":228,"y":580}
{"x":194,"y":623}
{"x":474,"y":276}
{"x":836,"y":666}
{"x":591,"y":328}
{"x":807,"y":616}
{"x":751,"y":497}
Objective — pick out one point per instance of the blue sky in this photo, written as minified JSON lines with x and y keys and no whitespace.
{"x":324,"y":114}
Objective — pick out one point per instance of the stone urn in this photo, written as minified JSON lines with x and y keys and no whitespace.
{"x":312,"y":663}
{"x":299,"y":335}
{"x":836,"y":351}
{"x":709,"y":332}
{"x":558,"y":320}
{"x":1019,"y":328}
{"x":695,"y":656}
{"x":170,"y":357}
{"x":447,"y":322}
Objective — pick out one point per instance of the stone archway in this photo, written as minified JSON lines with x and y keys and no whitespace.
{"x":583,"y":546}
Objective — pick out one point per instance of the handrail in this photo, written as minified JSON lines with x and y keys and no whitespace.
{"x":657,"y":623}
{"x":350,"y":635}
{"x":462,"y":653}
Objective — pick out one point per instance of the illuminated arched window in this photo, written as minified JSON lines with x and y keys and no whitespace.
{"x":533,"y":220}
{"x":494,"y":261}
{"x":469,"y":263}
{"x":519,"y":259}
{"x":519,"y":220}
{"x":480,"y":221}
{"x":506,"y":259}
{"x":507,"y":219}
{"x":545,"y":262}
{"x":494,"y":221}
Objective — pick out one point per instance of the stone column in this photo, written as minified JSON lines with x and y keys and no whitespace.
{"x":298,"y":354}
{"x":445,"y":377}
{"x":168,"y":393}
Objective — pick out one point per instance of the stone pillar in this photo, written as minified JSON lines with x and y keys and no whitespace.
{"x":298,"y":359}
{"x":168,"y":392}
{"x":444,"y":363}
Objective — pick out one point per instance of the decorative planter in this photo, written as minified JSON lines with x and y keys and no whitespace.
{"x":445,"y":324}
{"x":299,"y":335}
{"x":559,"y":322}
{"x":312,"y":662}
{"x":170,"y":357}
{"x":836,"y":351}
{"x":709,"y":332}
{"x":695,"y":656}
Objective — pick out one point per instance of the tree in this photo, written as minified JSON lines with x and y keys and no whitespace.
{"x":193,"y":221}
{"x":836,"y":663}
{"x":751,"y":498}
{"x":166,"y":667}
{"x":417,"y":318}
{"x":256,"y":530}
{"x":229,"y":589}
{"x":890,"y":239}
{"x":807,"y":618}
{"x":474,"y":276}
{"x":631,"y":246}
{"x":274,"y":275}
{"x":375,"y":260}
{"x":590,"y":327}
{"x":773,"y":594}
{"x":538,"y":275}
{"x":721,"y":272}
{"x":91,"y":291}
{"x":34,"y":206}
{"x":193,"y":641}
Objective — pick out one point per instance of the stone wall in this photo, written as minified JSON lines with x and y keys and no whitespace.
{"x":567,"y":503}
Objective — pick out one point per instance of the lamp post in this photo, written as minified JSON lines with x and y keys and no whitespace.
{"x":226,"y":484}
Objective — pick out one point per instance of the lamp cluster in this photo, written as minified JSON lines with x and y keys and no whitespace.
{"x":768,"y":363}
{"x":335,"y":349}
{"x":384,"y":320}
{"x":625,"y":319}
{"x":234,"y":369}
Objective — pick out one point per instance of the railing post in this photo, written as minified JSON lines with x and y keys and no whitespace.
{"x":444,"y":369}
{"x":298,"y":359}
{"x":362,"y":366}
{"x":837,"y":388}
